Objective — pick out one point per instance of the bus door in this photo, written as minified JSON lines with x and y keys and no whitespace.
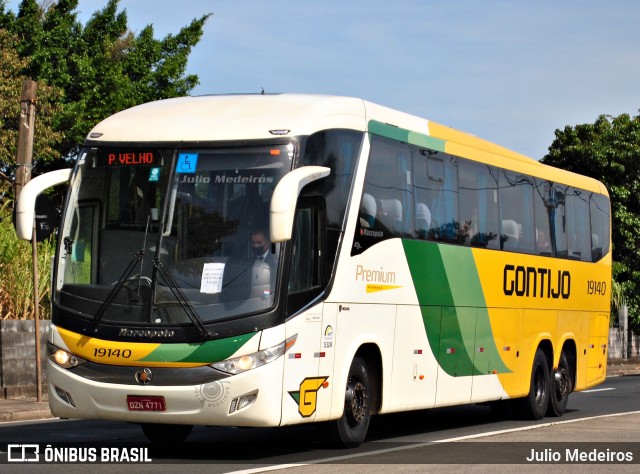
{"x":304,"y":382}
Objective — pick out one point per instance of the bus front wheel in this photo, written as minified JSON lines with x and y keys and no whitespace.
{"x":350,"y":430}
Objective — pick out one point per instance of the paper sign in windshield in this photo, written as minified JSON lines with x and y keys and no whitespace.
{"x":212,"y":278}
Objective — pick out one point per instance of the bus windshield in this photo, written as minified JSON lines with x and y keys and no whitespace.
{"x":166,"y":236}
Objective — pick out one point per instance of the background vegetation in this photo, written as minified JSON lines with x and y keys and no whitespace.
{"x":84,"y":72}
{"x":609,"y":150}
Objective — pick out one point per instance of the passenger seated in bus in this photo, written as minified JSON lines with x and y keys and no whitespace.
{"x":543,"y":246}
{"x":596,"y":248}
{"x":423,"y":220}
{"x":391,"y":214}
{"x":510,"y":233}
{"x":368,"y":210}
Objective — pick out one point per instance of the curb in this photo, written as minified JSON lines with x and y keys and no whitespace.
{"x":23,"y":410}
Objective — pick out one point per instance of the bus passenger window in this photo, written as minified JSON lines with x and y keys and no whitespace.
{"x":599,"y":208}
{"x":386,"y":209}
{"x":558,"y":203}
{"x":516,"y":212}
{"x":436,"y":186}
{"x":478,"y":204}
{"x":544,"y":216}
{"x":578,"y":229}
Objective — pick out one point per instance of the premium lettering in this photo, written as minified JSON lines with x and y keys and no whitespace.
{"x":536,"y":282}
{"x":375,"y":276}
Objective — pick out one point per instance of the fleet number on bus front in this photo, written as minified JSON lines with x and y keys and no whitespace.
{"x":103,"y":352}
{"x":596,"y":287}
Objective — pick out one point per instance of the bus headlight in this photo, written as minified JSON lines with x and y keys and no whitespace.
{"x":64,"y":359}
{"x":237,"y":365}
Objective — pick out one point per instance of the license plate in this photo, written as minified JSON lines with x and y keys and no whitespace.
{"x":137,"y":403}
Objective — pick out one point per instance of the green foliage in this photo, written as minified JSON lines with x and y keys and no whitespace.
{"x":84,"y":74}
{"x":16,"y":284}
{"x":46,"y":138}
{"x":100,"y":68}
{"x":609,"y":150}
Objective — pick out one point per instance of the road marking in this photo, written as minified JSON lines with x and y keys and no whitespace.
{"x":423,"y":444}
{"x":597,"y":390}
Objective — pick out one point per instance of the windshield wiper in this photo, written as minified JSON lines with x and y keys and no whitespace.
{"x":182,"y":299}
{"x":92,"y":326}
{"x":137,"y":257}
{"x":173,"y":286}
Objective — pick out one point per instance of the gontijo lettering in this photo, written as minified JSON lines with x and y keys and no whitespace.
{"x":536,"y":282}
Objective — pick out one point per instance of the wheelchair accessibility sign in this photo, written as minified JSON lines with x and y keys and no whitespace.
{"x":187,"y":163}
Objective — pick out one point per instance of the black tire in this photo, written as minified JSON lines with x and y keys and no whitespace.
{"x":351,"y":428}
{"x":534,"y":405}
{"x":561,"y":388}
{"x":164,"y":434}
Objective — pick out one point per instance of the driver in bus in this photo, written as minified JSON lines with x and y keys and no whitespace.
{"x":265,"y":262}
{"x":261,"y":247}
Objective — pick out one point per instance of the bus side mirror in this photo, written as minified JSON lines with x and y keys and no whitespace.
{"x":26,"y":205}
{"x":47,"y":217}
{"x":285,"y":197}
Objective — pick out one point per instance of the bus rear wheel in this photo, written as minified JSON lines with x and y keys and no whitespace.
{"x":534,"y":406}
{"x":164,"y":434}
{"x":561,"y":387}
{"x":350,"y":430}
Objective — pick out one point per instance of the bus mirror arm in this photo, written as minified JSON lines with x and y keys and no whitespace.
{"x":25,"y":208}
{"x":285,"y":197}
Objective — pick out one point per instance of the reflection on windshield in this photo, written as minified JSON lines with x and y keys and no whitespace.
{"x":167,"y":238}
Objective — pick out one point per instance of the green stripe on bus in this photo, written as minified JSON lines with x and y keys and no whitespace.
{"x":206,"y":352}
{"x":406,"y":136}
{"x":453,"y":308}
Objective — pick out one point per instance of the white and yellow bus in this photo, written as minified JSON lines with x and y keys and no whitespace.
{"x":271,"y":260}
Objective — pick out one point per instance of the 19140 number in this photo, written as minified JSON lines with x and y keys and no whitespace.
{"x":596,"y":287}
{"x":117,"y":353}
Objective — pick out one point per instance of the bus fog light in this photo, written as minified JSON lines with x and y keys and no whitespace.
{"x":247,"y":400}
{"x":65,"y":396}
{"x":242,"y":402}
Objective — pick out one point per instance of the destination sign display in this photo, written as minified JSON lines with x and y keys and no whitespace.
{"x":126,"y":157}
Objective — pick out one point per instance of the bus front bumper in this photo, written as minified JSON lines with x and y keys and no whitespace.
{"x":248,"y":399}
